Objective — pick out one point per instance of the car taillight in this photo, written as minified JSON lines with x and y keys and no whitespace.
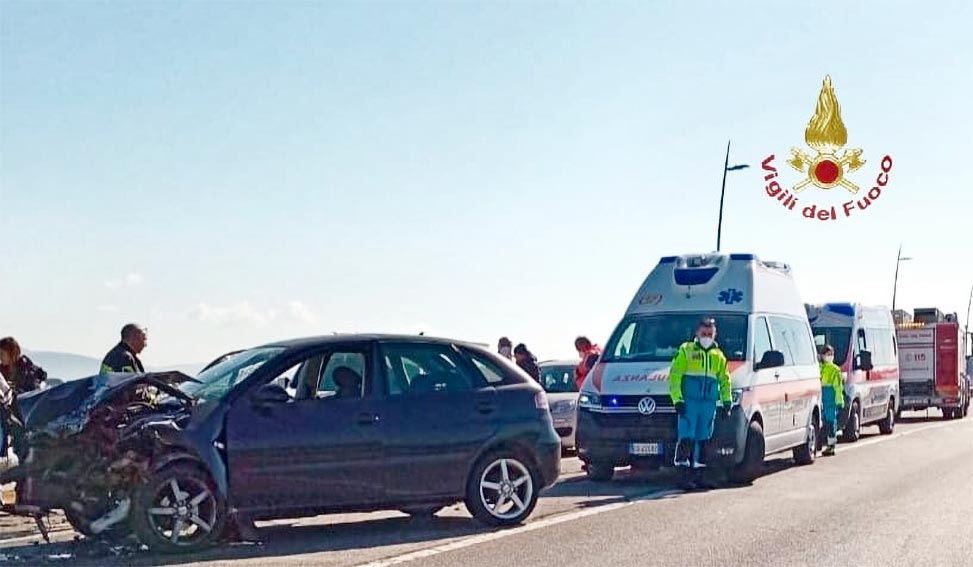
{"x":540,"y":401}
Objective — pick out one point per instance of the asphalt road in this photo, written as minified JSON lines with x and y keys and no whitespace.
{"x":904,"y":499}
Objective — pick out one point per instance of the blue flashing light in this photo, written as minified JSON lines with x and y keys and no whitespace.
{"x":745,"y":257}
{"x":697,"y":276}
{"x":846,"y":309}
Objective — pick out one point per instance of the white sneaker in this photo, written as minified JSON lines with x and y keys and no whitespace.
{"x":682,"y":463}
{"x":698,"y":465}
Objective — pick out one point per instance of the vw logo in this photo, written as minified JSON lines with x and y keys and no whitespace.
{"x":646,"y":406}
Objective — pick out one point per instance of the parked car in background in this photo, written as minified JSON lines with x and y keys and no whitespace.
{"x":557,"y":379}
{"x":375,"y":422}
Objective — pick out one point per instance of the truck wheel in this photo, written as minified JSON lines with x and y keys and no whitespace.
{"x":853,"y":429}
{"x":947,"y":414}
{"x":753,"y":456}
{"x":806,"y":453}
{"x":887,"y":425}
{"x":600,"y":472}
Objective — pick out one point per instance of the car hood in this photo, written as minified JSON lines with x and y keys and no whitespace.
{"x":66,"y":408}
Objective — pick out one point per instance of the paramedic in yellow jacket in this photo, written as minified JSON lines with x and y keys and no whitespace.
{"x":832,"y":396}
{"x":698,"y":379}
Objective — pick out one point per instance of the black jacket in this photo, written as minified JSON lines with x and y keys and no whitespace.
{"x":530,"y":367}
{"x":122,"y":359}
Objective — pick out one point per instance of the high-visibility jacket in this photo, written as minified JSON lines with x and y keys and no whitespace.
{"x":121,"y":359}
{"x":831,"y":380}
{"x":699,"y":374}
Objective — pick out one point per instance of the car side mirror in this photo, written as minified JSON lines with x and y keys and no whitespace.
{"x":864,"y":361}
{"x":771,"y":359}
{"x":270,"y":394}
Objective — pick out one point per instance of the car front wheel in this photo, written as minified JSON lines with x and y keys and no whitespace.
{"x":179,"y":511}
{"x":502,"y":489}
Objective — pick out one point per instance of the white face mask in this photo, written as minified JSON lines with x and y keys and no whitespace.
{"x":505,"y":351}
{"x":706,"y":342}
{"x":828,"y":358}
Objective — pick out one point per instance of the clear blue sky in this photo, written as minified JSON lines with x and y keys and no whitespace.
{"x":230,"y":173}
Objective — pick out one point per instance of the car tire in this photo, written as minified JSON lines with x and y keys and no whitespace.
{"x":175,"y":499}
{"x":887,"y":425}
{"x":500,"y":478}
{"x":753,"y":456}
{"x":947,"y":414}
{"x":853,"y":428}
{"x":422,"y":512}
{"x":600,"y":471}
{"x":806,"y":453}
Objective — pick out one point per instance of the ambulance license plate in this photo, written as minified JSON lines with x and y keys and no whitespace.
{"x":645,"y":448}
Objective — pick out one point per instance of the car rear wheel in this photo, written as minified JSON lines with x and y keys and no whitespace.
{"x":753,"y":456}
{"x":853,"y":429}
{"x":806,"y":453}
{"x":502,"y":489}
{"x":179,"y":511}
{"x":887,"y":425}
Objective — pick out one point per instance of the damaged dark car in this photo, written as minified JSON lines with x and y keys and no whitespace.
{"x":305,"y":427}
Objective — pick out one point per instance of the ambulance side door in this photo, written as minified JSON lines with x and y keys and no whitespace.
{"x":766,"y":385}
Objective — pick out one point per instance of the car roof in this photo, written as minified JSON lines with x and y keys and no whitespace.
{"x":558,"y":363}
{"x":338,"y":338}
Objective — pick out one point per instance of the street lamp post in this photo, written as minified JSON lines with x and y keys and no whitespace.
{"x":726,"y":167}
{"x":895,"y":283}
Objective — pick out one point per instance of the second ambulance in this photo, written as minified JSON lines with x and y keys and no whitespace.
{"x":625,"y":414}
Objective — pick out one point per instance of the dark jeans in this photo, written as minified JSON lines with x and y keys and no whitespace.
{"x":13,"y":432}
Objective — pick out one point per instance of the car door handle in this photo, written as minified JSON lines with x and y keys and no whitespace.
{"x":485,"y":407}
{"x":367,"y":419}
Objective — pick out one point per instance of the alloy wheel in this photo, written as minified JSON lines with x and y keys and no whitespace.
{"x":506,"y":488}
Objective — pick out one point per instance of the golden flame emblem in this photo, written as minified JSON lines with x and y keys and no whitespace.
{"x":826,"y":134}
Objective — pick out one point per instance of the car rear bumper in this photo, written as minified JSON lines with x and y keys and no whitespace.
{"x":549,"y":461}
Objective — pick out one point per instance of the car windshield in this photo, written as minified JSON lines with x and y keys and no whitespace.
{"x":656,"y":338}
{"x":216,"y":381}
{"x":558,"y":379}
{"x":838,"y":337}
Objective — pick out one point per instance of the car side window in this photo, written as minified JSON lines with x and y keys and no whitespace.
{"x":424,"y":369}
{"x":782,"y":340}
{"x":342,"y":376}
{"x":492,"y":373}
{"x":761,"y":340}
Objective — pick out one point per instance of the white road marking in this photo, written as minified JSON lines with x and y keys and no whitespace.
{"x":572,"y":516}
{"x":540,"y":524}
{"x":884,"y":438}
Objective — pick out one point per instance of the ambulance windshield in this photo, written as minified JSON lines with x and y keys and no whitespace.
{"x":838,"y":337}
{"x":656,"y":338}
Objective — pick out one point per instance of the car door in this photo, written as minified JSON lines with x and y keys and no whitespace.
{"x":437,"y":414}
{"x":321,"y":449}
{"x":767,"y":380}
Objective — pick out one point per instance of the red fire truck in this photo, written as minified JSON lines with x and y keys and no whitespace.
{"x":932,"y":371}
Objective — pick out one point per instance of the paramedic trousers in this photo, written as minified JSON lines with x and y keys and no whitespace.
{"x":700,"y":395}
{"x":830,"y":409}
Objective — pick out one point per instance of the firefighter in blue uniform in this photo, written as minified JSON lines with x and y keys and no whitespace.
{"x":698,"y":379}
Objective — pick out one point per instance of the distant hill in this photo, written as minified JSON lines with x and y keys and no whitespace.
{"x":68,"y":366}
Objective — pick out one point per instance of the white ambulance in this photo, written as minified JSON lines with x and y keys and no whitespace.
{"x":865,"y":348}
{"x":625,"y":414}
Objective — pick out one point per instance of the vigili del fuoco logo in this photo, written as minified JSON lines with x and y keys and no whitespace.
{"x":827,"y":166}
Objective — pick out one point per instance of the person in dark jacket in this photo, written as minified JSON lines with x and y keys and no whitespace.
{"x":527,"y":361}
{"x":20,"y":376}
{"x":125,"y":356}
{"x":19,"y":371}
